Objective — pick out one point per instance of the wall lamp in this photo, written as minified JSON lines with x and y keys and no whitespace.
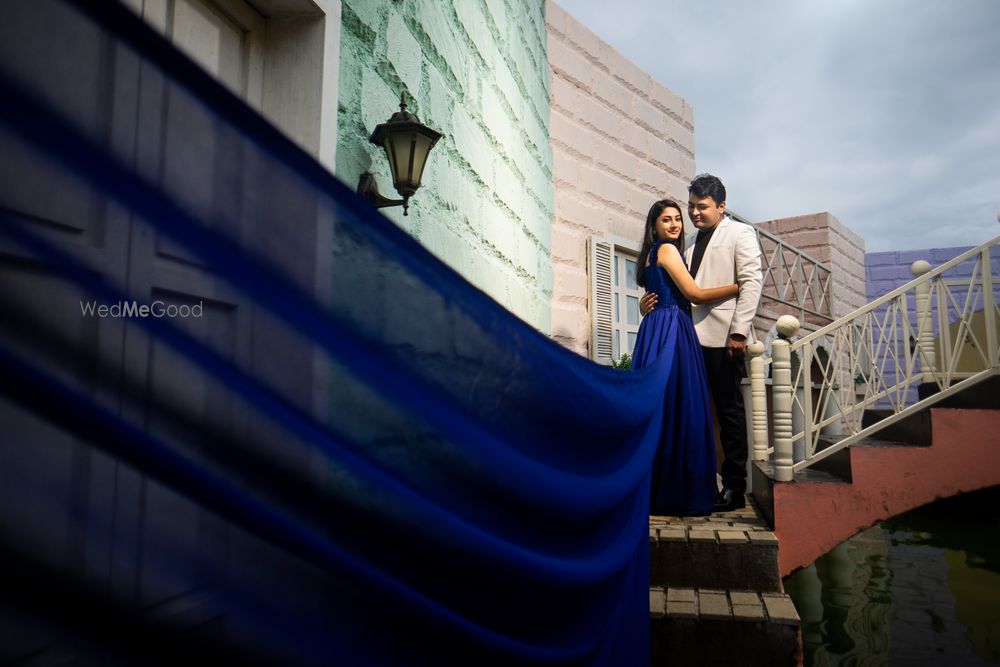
{"x":407,"y":143}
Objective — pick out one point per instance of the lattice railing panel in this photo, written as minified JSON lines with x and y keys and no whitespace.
{"x":940,"y":330}
{"x":794,"y":278}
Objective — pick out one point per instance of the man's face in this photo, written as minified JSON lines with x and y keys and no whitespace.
{"x":705,"y":213}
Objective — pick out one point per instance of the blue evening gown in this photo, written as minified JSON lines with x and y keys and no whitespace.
{"x":683,"y":479}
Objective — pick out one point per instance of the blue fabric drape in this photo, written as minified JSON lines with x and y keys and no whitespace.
{"x":482,"y":493}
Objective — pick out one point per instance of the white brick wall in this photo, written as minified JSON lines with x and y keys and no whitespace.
{"x":477,"y":72}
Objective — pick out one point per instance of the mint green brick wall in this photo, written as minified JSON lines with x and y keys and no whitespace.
{"x":477,"y":71}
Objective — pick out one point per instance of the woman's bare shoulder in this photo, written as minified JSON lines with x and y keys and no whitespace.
{"x":668,"y":250}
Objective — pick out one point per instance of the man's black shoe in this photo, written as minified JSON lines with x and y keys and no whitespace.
{"x":729,"y":500}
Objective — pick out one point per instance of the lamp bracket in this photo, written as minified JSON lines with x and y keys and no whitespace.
{"x":368,"y":188}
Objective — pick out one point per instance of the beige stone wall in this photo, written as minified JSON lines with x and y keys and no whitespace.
{"x":620,"y":141}
{"x":828,"y":240}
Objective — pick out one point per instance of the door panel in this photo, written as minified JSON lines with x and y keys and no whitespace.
{"x":55,"y":492}
{"x":212,"y":40}
{"x":61,"y":499}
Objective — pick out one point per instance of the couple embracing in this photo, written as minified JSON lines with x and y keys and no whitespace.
{"x":720,"y":274}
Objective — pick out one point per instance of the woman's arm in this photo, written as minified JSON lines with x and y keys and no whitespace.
{"x":670,"y":259}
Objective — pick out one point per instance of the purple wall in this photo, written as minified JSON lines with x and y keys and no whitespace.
{"x":885,"y":271}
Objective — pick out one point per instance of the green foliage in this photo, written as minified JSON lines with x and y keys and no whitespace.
{"x":623,"y":364}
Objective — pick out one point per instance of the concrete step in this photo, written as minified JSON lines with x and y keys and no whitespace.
{"x":983,"y":395}
{"x":733,"y":550}
{"x":837,"y":467}
{"x":697,"y":626}
{"x":914,"y":430}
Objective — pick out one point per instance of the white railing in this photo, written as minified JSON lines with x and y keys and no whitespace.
{"x":792,"y":277}
{"x":938,"y":331}
{"x":795,"y":278}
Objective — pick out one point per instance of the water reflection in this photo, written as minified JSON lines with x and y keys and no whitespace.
{"x":921,"y":589}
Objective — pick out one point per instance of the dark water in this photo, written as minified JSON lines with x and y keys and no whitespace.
{"x":921,"y":589}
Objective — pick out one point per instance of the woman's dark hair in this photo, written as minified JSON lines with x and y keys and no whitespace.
{"x":649,"y":236}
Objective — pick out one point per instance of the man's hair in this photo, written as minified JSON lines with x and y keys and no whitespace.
{"x":706,"y":185}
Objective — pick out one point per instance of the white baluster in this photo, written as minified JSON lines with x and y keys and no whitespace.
{"x":781,"y":376}
{"x":989,"y":308}
{"x":925,"y":325}
{"x":758,"y":393}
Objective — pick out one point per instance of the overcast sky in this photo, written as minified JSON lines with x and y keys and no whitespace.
{"x":886,"y":113}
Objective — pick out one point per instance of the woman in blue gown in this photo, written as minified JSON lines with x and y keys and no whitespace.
{"x":683,"y":479}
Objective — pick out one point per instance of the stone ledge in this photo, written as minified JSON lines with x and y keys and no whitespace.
{"x":722,"y":528}
{"x":733,"y":550}
{"x":763,"y":537}
{"x":714,"y":605}
{"x":682,"y":595}
{"x":733,"y":537}
{"x":696,"y":535}
{"x":722,"y":605}
{"x":657,"y":602}
{"x":670,"y":534}
{"x":747,"y":612}
{"x":780,"y":609}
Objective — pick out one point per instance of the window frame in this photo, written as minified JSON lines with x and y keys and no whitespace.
{"x":606,"y":329}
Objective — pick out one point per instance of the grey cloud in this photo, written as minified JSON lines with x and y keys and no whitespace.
{"x":883,"y":113}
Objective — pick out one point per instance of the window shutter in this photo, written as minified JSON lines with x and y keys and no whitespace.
{"x":601,"y":281}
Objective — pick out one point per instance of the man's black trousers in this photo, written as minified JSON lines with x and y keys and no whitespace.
{"x":724,"y":378}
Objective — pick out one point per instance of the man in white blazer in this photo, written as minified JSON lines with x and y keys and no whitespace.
{"x":725,"y":251}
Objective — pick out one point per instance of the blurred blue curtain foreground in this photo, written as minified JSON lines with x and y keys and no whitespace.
{"x":330,"y":449}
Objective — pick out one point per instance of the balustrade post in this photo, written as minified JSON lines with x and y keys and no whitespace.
{"x":925,"y":325}
{"x":989,"y":308}
{"x":781,"y":382}
{"x":758,"y":393}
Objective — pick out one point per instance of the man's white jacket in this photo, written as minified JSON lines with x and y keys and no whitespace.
{"x":732,"y":256}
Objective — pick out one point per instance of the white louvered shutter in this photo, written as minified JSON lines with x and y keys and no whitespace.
{"x":601,"y":263}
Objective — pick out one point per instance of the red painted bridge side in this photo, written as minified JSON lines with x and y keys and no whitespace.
{"x":813,"y":517}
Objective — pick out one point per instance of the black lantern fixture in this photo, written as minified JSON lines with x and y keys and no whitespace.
{"x":407,"y":143}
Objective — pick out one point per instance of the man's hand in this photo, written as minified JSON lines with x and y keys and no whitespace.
{"x":736,"y":347}
{"x":647,"y":303}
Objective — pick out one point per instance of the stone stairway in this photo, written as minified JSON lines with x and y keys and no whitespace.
{"x":715,"y":592}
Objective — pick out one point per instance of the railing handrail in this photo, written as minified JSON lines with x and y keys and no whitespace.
{"x":893,"y":349}
{"x":802,"y":259}
{"x":802,"y":253}
{"x":894,"y":294}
